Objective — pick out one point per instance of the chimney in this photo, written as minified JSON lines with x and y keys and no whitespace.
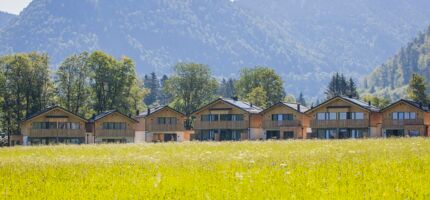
{"x":235,"y":98}
{"x":421,"y":105}
{"x":298,"y":107}
{"x":149,"y":111}
{"x":129,"y":115}
{"x":370,"y":103}
{"x":251,"y":105}
{"x":94,"y":116}
{"x":137,"y":112}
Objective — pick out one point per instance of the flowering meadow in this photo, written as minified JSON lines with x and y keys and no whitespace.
{"x":313,"y":169}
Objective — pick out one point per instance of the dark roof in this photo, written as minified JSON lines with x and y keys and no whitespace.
{"x":360,"y":103}
{"x":245,"y":106}
{"x":107,"y":113}
{"x":151,"y":111}
{"x":420,"y":106}
{"x":47,"y":109}
{"x":293,"y":106}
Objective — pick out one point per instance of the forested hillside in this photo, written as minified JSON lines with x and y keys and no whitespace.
{"x":390,"y":79}
{"x":304,"y":41}
{"x":5,"y":19}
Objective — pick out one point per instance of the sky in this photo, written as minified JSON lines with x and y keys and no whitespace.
{"x":13,"y":6}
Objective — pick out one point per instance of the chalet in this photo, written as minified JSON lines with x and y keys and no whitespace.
{"x":343,"y":117}
{"x":112,"y":127}
{"x":285,"y":121}
{"x":163,"y":124}
{"x":228,"y":120}
{"x":405,"y":118}
{"x":54,"y":125}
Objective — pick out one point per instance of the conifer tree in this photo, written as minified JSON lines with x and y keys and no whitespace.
{"x":417,"y":89}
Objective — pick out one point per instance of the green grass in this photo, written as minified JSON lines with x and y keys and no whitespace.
{"x":353,"y":169}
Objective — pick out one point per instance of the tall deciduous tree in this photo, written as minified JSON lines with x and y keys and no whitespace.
{"x":72,"y":84}
{"x":263,"y":77}
{"x":258,"y":97}
{"x":25,"y":88}
{"x":417,"y":89}
{"x":191,"y":86}
{"x":113,"y":82}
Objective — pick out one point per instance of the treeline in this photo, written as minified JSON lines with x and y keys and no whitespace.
{"x":86,"y":84}
{"x":91,"y":83}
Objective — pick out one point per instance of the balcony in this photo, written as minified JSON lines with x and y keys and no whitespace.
{"x":221,"y":125}
{"x":57,"y":133}
{"x":349,"y":123}
{"x":270,"y":124}
{"x":165,"y":127}
{"x":389,"y":123}
{"x":114,"y":133}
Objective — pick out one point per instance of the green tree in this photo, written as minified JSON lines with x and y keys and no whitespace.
{"x":72,"y":84}
{"x":417,"y":89}
{"x":25,"y":88}
{"x":226,"y":88}
{"x":301,"y":100}
{"x":153,"y":85}
{"x":380,"y":102}
{"x":114,"y":83}
{"x":191,"y":86}
{"x":263,"y":77}
{"x":339,"y":86}
{"x":164,"y":98}
{"x":257,"y":97}
{"x":290,"y":99}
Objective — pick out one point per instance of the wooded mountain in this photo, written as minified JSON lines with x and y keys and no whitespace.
{"x":5,"y":18}
{"x":391,"y":78}
{"x":305,"y":41}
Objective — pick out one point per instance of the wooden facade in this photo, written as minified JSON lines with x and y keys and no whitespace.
{"x":113,"y":127}
{"x":294,"y":126}
{"x":226,"y":120}
{"x":163,"y":124}
{"x":54,"y":125}
{"x":340,"y":118}
{"x":405,"y":118}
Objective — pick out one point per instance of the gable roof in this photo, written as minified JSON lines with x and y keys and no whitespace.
{"x":245,"y":106}
{"x":409,"y":102}
{"x":107,"y":113}
{"x":152,"y":111}
{"x":356,"y":102}
{"x":293,"y":106}
{"x":49,"y":109}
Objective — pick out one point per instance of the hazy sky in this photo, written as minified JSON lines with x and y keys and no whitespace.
{"x":13,"y":6}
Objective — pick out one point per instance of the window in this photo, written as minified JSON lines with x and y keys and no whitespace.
{"x":207,"y":118}
{"x":404,"y":115}
{"x":75,"y":126}
{"x":282,"y":117}
{"x":237,"y":117}
{"x":225,"y":117}
{"x":357,"y":115}
{"x":320,"y":116}
{"x":114,"y":125}
{"x":161,"y":120}
{"x":44,"y":125}
{"x":332,"y":116}
{"x":343,"y":116}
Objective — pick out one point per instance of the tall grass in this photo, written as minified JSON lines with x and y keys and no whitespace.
{"x":352,"y":169}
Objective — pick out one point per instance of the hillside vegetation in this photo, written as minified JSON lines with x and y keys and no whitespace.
{"x":305,"y":41}
{"x":352,"y":169}
{"x":390,"y":79}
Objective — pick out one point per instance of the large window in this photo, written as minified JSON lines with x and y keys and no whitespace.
{"x":404,"y":115}
{"x":167,"y":120}
{"x":55,"y":125}
{"x":282,"y":117}
{"x":357,"y":115}
{"x":68,"y":125}
{"x":114,"y":125}
{"x":327,"y":116}
{"x":207,"y":118}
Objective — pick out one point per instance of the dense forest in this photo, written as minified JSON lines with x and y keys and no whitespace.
{"x":304,"y":41}
{"x":390,"y":79}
